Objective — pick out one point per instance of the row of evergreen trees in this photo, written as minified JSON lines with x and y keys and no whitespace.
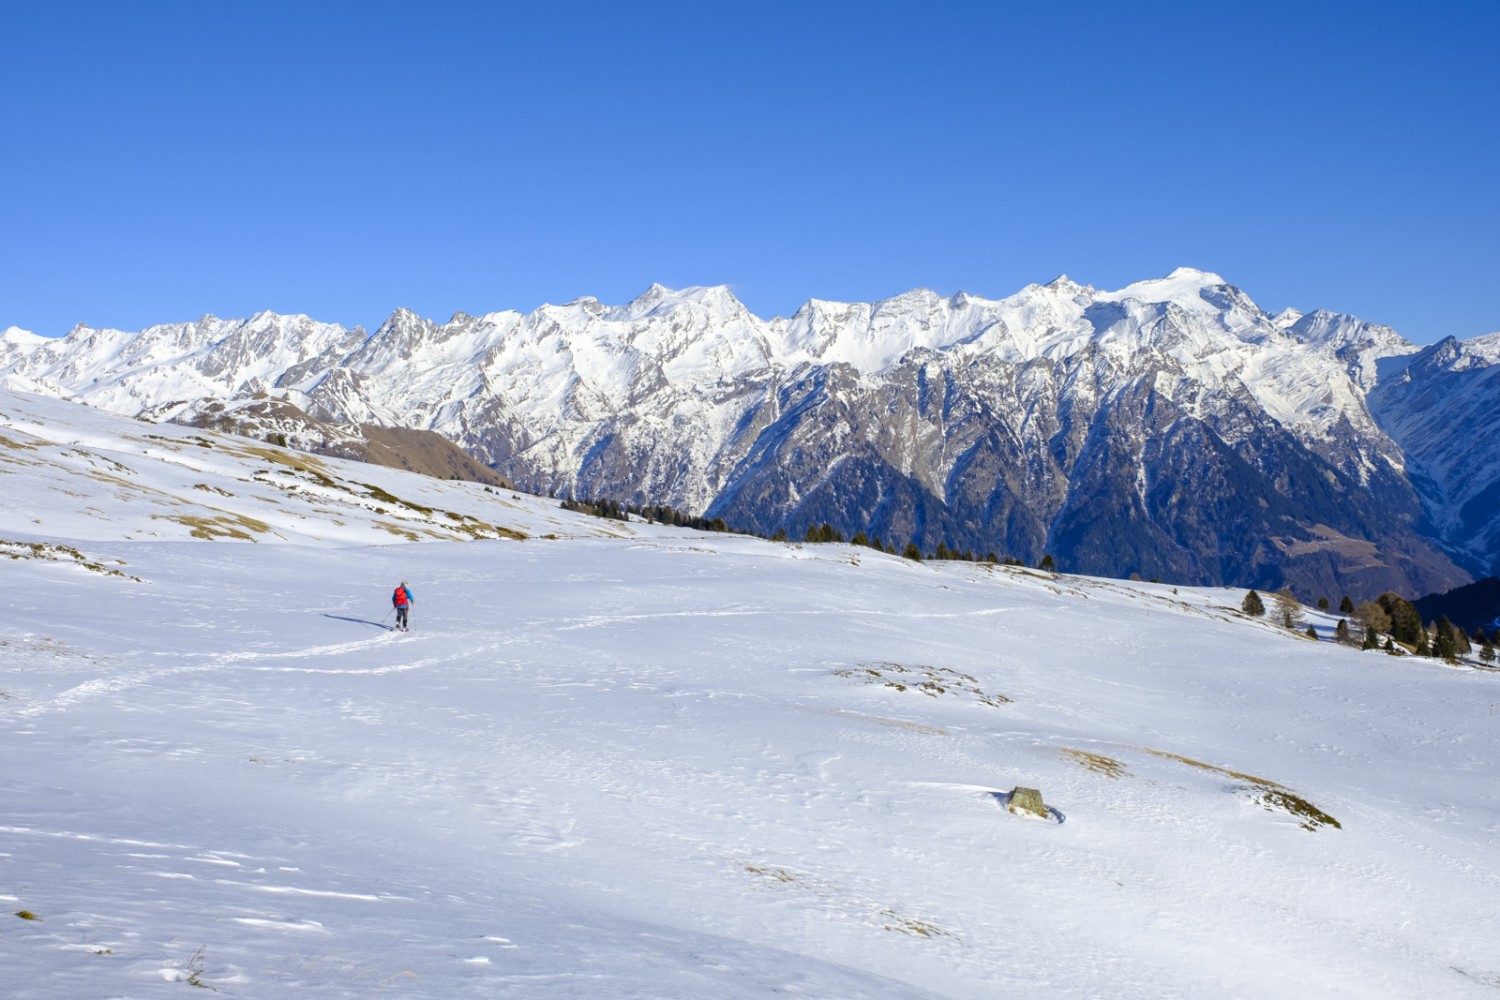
{"x":826,"y":532}
{"x":1390,"y":615}
{"x":599,"y":508}
{"x":816,"y":533}
{"x":658,"y":513}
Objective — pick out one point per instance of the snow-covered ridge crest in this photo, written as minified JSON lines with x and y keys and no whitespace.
{"x":864,"y":413}
{"x":668,"y":325}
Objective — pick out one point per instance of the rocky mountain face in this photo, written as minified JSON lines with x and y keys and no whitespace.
{"x":1442,"y":406}
{"x":1171,"y":428}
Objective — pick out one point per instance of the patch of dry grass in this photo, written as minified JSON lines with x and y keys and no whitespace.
{"x":909,"y":925}
{"x":6,"y":442}
{"x":222,"y":525}
{"x":1272,"y":794}
{"x":1096,"y":762}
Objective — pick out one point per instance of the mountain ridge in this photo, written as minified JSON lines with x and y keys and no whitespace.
{"x":1012,"y":405}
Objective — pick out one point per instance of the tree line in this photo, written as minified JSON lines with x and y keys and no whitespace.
{"x":1390,"y":622}
{"x":815,"y":534}
{"x":651,"y":513}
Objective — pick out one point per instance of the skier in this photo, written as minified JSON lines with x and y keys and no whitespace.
{"x":402,"y":600}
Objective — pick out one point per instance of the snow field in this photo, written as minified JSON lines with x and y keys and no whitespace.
{"x":628,"y":761}
{"x":633,"y":768}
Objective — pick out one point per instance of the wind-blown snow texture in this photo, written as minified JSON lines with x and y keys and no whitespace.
{"x":618,"y":760}
{"x":1171,"y":429}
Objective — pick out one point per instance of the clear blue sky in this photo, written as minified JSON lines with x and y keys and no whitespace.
{"x":165,"y":160}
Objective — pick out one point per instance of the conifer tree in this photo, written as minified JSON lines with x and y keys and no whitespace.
{"x":1312,"y":633}
{"x":1252,"y":605}
{"x":912,"y":552}
{"x":1322,"y":604}
{"x":1346,"y":606}
{"x":1406,"y":624}
{"x":1487,"y":652}
{"x":1443,"y":645}
{"x":1372,"y":641}
{"x":1341,"y":633}
{"x":859,"y":539}
{"x":1048,"y":563}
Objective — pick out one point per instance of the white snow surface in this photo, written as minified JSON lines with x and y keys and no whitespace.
{"x":1487,"y":347}
{"x":632,"y":761}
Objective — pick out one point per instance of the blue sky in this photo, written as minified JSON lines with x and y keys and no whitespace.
{"x":161,"y":161}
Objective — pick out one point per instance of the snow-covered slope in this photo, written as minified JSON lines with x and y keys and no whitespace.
{"x":165,"y":482}
{"x":987,"y":424}
{"x":618,"y":760}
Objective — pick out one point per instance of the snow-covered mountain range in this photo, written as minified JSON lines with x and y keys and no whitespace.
{"x":627,"y":761}
{"x":1171,"y":428}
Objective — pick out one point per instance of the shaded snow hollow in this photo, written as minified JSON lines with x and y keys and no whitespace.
{"x":629,"y":761}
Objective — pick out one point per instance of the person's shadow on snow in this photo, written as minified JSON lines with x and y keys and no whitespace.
{"x":362,"y":621}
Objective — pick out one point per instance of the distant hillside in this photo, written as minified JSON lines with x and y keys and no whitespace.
{"x":1476,"y":605}
{"x":279,"y":422}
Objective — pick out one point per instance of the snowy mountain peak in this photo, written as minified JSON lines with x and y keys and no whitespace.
{"x":648,"y":300}
{"x":1339,"y":331}
{"x":589,"y":305}
{"x":909,"y":301}
{"x":402,"y":316}
{"x":1193,"y":274}
{"x":1286,"y":318}
{"x":716,"y":299}
{"x":1185,"y":286}
{"x":24,"y":338}
{"x":1064,"y":285}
